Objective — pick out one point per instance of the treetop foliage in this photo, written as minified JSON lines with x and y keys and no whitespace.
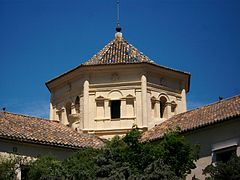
{"x":122,"y":158}
{"x":221,"y":171}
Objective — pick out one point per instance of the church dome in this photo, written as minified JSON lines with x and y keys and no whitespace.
{"x":118,"y":51}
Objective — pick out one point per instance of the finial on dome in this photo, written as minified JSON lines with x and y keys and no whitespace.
{"x":118,"y":28}
{"x":118,"y":34}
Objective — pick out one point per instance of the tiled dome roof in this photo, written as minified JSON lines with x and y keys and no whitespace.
{"x":118,"y":51}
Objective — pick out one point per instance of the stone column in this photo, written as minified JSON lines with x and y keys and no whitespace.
{"x":55,"y":113}
{"x":157,"y":109}
{"x":64,"y":116}
{"x":168,"y":110}
{"x":51,"y":112}
{"x":144,"y":100}
{"x":86,"y":104}
{"x":149,"y":110}
{"x":184,"y":104}
{"x":73,"y":109}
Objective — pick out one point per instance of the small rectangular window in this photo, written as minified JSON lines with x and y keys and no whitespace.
{"x":24,"y":171}
{"x":115,"y":109}
{"x":15,"y":149}
{"x":224,"y":155}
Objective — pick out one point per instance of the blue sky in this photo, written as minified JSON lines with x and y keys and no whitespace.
{"x":40,"y":39}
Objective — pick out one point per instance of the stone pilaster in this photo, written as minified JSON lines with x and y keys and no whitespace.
{"x":86,"y":104}
{"x":51,"y":110}
{"x":184,"y":104}
{"x":144,"y":100}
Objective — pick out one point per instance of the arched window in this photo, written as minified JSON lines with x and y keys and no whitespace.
{"x":115,"y":104}
{"x":163,"y":101}
{"x":77,"y":104}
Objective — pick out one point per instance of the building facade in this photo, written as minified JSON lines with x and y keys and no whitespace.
{"x":33,"y":137}
{"x":214,"y":127}
{"x":116,"y":88}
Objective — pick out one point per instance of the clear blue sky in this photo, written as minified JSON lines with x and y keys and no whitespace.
{"x":40,"y":39}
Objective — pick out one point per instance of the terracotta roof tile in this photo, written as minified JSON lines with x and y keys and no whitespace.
{"x":37,"y":130}
{"x":118,"y":52}
{"x":197,"y":118}
{"x":114,"y":53}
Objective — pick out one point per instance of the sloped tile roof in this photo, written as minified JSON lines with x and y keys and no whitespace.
{"x":204,"y":116}
{"x":118,"y":51}
{"x":37,"y":130}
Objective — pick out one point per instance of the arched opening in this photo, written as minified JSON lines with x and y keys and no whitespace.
{"x":115,"y":104}
{"x":77,"y":104}
{"x":163,"y":102}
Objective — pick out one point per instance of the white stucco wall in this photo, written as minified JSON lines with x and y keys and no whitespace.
{"x":218,"y":136}
{"x":93,"y":84}
{"x":34,"y":150}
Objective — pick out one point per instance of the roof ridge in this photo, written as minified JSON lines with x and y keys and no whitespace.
{"x":207,"y":105}
{"x":197,"y":118}
{"x":25,"y":115}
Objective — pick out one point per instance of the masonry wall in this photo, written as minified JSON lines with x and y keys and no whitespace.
{"x":34,"y":150}
{"x":137,"y":86}
{"x":215,"y":137}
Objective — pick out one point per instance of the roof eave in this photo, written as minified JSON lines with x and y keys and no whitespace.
{"x":40,"y":142}
{"x":83,"y":65}
{"x":188,"y":130}
{"x":61,"y":75}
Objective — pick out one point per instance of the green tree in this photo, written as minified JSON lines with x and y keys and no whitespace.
{"x":81,"y":165}
{"x":122,"y":158}
{"x":229,"y":170}
{"x":178,"y":153}
{"x":45,"y":168}
{"x":10,"y":164}
{"x":8,"y":168}
{"x":127,"y":157}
